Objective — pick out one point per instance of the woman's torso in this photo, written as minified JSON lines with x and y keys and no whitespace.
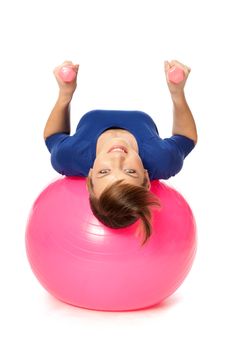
{"x":74,"y":155}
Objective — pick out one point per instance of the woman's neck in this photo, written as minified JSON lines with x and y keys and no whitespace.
{"x":110,"y":134}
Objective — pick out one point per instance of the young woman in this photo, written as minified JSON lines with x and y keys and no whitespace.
{"x":119,"y":152}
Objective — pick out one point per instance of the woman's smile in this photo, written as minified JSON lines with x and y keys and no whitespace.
{"x":118,"y":148}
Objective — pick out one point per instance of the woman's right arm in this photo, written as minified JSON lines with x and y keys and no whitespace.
{"x":183,"y":121}
{"x":59,"y":118}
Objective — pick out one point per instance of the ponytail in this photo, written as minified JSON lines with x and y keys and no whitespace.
{"x":121,"y":204}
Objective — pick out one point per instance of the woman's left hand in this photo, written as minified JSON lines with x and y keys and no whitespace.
{"x":66,"y":88}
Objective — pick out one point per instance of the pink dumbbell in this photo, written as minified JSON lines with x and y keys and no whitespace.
{"x":176,"y":75}
{"x":67,"y":74}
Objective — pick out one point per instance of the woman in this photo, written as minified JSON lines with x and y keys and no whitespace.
{"x":119,"y":152}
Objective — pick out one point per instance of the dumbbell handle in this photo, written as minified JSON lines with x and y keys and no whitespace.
{"x":67,"y":74}
{"x":176,"y":75}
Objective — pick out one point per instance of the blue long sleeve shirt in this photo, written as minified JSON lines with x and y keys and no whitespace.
{"x":74,"y":155}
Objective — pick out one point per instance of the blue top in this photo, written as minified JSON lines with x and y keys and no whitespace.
{"x":74,"y":155}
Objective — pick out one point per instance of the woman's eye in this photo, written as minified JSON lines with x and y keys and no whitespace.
{"x":104,"y":171}
{"x":130,"y":171}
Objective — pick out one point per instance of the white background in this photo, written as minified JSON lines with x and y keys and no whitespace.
{"x":121,"y":46}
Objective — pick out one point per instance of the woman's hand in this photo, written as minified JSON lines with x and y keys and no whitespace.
{"x":176,"y":89}
{"x":66,"y":89}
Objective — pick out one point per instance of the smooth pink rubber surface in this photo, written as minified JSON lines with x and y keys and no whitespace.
{"x":84,"y":263}
{"x":67,"y":74}
{"x":176,"y":75}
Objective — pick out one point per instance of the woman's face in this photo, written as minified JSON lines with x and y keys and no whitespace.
{"x":117,"y":159}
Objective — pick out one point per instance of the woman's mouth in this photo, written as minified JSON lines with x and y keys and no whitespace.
{"x":118,"y":148}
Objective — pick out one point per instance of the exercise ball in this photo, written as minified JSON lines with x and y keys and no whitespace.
{"x":84,"y":263}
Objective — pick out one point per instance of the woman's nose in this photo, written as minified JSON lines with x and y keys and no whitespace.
{"x":118,"y":157}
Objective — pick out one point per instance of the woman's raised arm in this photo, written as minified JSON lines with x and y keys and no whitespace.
{"x":59,"y":118}
{"x":183,"y":121}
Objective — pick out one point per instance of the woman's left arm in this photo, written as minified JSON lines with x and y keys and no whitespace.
{"x":59,"y":118}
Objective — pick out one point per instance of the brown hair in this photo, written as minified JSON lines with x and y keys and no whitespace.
{"x":121,"y":204}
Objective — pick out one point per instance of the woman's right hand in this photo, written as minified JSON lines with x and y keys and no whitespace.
{"x":176,"y":89}
{"x":67,"y":89}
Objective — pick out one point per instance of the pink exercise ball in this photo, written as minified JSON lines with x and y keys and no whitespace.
{"x":84,"y":263}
